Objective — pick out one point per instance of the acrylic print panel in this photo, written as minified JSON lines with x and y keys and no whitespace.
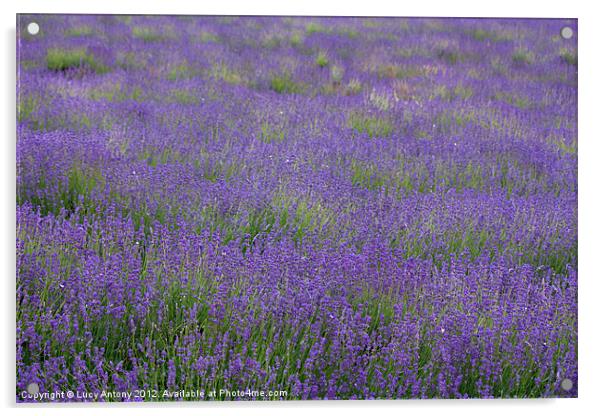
{"x":295,"y":208}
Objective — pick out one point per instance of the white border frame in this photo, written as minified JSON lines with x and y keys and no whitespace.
{"x":590,"y":94}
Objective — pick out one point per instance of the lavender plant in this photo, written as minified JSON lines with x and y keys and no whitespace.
{"x":316,"y":208}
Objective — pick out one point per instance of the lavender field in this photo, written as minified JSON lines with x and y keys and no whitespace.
{"x":248,"y":208}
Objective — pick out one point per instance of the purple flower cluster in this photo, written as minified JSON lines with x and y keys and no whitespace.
{"x":337,"y":208}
